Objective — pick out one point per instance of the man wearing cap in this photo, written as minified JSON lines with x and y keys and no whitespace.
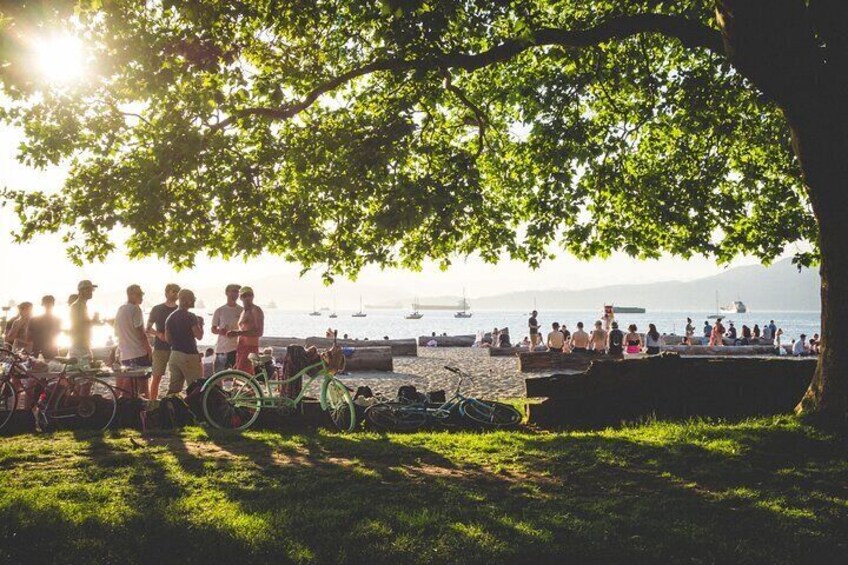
{"x":182,"y":330}
{"x":156,"y":328}
{"x":133,"y":345}
{"x":224,"y":319}
{"x":80,"y":322}
{"x":251,"y":327}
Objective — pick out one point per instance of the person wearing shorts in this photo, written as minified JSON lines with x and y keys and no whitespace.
{"x":156,"y":327}
{"x":251,"y":327}
{"x":224,"y":319}
{"x":182,"y":330}
{"x":133,"y":344}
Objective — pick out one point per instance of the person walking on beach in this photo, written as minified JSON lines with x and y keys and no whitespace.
{"x":224,"y":319}
{"x":133,"y":343}
{"x":652,"y":340}
{"x":717,"y":335}
{"x":555,"y":339}
{"x":533,"y":324}
{"x":598,"y":342}
{"x":708,"y":329}
{"x":45,"y":329}
{"x":579,"y":339}
{"x":633,"y":340}
{"x":251,"y":327}
{"x":182,"y":330}
{"x":161,"y":348}
{"x":690,"y":332}
{"x":81,"y":323}
{"x":615,"y":340}
{"x":772,"y":328}
{"x":18,"y":333}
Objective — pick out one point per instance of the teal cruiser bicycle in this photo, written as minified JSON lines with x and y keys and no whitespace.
{"x":232,"y":400}
{"x":459,"y":409}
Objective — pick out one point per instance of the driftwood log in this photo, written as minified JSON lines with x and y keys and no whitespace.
{"x":269,"y":341}
{"x":507,"y":351}
{"x":669,"y":386}
{"x":399,"y":347}
{"x":356,"y":358}
{"x":722,"y":351}
{"x":448,"y":340}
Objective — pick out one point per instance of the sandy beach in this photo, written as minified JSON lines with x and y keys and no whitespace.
{"x":494,"y":377}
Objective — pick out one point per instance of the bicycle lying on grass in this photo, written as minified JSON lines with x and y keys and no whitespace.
{"x":71,"y":400}
{"x":232,"y":400}
{"x":459,"y":409}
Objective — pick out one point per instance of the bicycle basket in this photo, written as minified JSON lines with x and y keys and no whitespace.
{"x":334,"y":359}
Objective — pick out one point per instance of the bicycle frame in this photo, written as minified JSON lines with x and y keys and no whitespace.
{"x":273,"y":399}
{"x":444,"y":411}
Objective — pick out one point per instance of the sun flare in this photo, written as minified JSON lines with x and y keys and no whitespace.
{"x":60,"y":58}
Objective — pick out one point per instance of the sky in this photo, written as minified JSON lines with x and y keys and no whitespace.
{"x":41,"y":267}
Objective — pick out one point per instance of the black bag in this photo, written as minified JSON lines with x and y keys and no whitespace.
{"x":436,"y":397}
{"x":129,"y":413}
{"x":172,"y":413}
{"x":363,"y":392}
{"x":409,"y":395}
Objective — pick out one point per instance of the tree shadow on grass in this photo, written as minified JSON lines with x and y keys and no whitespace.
{"x":720,"y":494}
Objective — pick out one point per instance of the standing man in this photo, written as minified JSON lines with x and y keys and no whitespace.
{"x":533,"y":324}
{"x":133,"y":344}
{"x":156,"y":327}
{"x":45,"y":329}
{"x":80,"y":322}
{"x":251,"y":327}
{"x":182,"y":330}
{"x":224,"y":319}
{"x":18,"y":333}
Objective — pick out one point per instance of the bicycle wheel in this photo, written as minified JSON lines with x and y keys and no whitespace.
{"x":337,"y":402}
{"x":81,"y":403}
{"x":490,"y":414}
{"x":8,"y":402}
{"x":232,"y":400}
{"x":395,"y":417}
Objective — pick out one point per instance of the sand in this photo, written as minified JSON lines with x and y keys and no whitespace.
{"x":494,"y":377}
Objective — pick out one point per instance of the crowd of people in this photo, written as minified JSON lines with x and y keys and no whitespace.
{"x":166,"y":342}
{"x":606,"y":337}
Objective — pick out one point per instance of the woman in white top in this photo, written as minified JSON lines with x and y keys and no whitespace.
{"x":652,"y":340}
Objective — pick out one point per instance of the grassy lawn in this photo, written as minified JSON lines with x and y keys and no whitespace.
{"x":759,"y":491}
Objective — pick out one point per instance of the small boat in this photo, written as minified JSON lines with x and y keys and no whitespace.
{"x":314,"y":311}
{"x":333,"y":315}
{"x":414,"y":316}
{"x":270,"y":305}
{"x":464,"y":304}
{"x":359,"y":314}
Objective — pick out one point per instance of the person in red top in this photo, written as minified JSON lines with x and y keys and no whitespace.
{"x":251,"y":327}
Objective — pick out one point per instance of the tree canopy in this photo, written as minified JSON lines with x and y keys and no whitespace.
{"x":339,"y":134}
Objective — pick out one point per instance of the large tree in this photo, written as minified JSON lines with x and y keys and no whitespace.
{"x":339,"y":134}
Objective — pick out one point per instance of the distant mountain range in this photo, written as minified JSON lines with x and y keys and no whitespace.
{"x":777,"y":287}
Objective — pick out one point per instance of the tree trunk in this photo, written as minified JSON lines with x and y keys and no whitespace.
{"x":823,"y":152}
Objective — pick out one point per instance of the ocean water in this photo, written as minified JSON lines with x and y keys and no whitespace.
{"x":392,"y":323}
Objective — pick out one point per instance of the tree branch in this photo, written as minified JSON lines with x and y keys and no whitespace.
{"x":690,"y":33}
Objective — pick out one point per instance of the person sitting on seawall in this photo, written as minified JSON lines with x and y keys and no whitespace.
{"x":615,"y":340}
{"x":525,"y":342}
{"x":746,"y":336}
{"x":598,"y":340}
{"x":799,"y":348}
{"x":731,"y":333}
{"x":815,"y":345}
{"x":555,"y":340}
{"x":633,"y":341}
{"x":579,"y":339}
{"x":652,"y":340}
{"x":756,"y":332}
{"x":767,"y":335}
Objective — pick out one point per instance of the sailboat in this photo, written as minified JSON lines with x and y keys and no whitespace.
{"x":314,"y":311}
{"x":334,"y":315}
{"x":416,"y":315}
{"x":464,"y":305}
{"x":359,"y":314}
{"x":718,"y":315}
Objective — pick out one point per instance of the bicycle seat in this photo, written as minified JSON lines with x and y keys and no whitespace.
{"x":66,"y":360}
{"x":257,"y":359}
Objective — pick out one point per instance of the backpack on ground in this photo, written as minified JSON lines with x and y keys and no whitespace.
{"x":436,"y":397}
{"x":171,"y":413}
{"x":129,"y":413}
{"x":409,"y":395}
